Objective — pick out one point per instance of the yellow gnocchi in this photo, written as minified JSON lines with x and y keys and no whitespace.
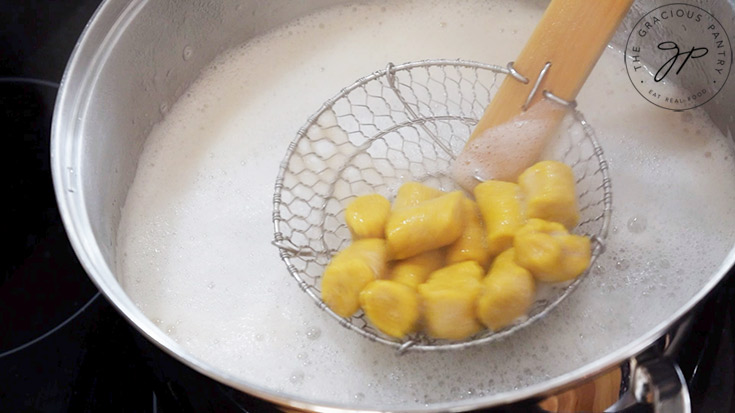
{"x":420,"y":263}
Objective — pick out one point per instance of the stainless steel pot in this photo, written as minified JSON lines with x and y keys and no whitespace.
{"x":137,"y":57}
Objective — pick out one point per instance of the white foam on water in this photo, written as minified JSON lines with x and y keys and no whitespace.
{"x":194,"y":248}
{"x":504,"y":151}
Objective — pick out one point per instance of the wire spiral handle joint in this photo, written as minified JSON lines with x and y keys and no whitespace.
{"x":571,"y":104}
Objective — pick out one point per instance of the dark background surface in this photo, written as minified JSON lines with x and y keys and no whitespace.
{"x":38,"y":36}
{"x":63,"y":348}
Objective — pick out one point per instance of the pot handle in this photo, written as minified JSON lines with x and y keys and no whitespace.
{"x":657,"y":382}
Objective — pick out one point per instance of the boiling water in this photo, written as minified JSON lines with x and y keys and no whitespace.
{"x":194,"y":241}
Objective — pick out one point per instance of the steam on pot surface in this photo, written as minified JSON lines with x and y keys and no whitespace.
{"x":194,"y":248}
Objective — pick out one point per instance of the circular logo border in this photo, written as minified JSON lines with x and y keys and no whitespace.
{"x":627,"y":42}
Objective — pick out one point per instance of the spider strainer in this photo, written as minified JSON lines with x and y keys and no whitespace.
{"x":407,"y":123}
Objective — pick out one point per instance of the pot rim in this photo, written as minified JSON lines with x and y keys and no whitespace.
{"x":84,"y":66}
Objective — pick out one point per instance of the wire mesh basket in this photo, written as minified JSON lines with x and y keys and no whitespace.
{"x":407,"y":123}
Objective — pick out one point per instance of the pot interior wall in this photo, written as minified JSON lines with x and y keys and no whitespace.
{"x":139,"y":72}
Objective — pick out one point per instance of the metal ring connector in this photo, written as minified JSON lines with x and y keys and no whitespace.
{"x":571,"y":104}
{"x":307,"y":252}
{"x":547,"y":94}
{"x":405,"y":346}
{"x":516,"y":75}
{"x":597,"y":240}
{"x":389,"y":75}
{"x":536,"y":85}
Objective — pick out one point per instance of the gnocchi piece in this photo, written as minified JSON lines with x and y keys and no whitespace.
{"x":457,"y":274}
{"x":550,"y":252}
{"x":411,"y":194}
{"x":430,"y":225}
{"x":449,"y":299}
{"x":349,"y":272}
{"x":366,"y":216}
{"x":549,"y":190}
{"x":501,"y":208}
{"x":472,"y":244}
{"x":415,"y":270}
{"x":342,"y":282}
{"x":509,"y":291}
{"x":372,"y":250}
{"x":391,"y":307}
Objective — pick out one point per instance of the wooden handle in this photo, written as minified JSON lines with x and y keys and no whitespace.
{"x":572,"y":35}
{"x":590,"y":396}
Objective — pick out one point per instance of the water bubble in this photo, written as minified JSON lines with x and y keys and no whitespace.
{"x":210,"y":285}
{"x":637,"y":224}
{"x":622,"y":265}
{"x":187,"y":53}
{"x":359,"y":396}
{"x":313,"y":333}
{"x":297,"y":377}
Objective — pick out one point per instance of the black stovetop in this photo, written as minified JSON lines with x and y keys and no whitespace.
{"x":63,"y":348}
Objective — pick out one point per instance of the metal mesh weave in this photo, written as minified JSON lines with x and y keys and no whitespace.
{"x":407,"y":123}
